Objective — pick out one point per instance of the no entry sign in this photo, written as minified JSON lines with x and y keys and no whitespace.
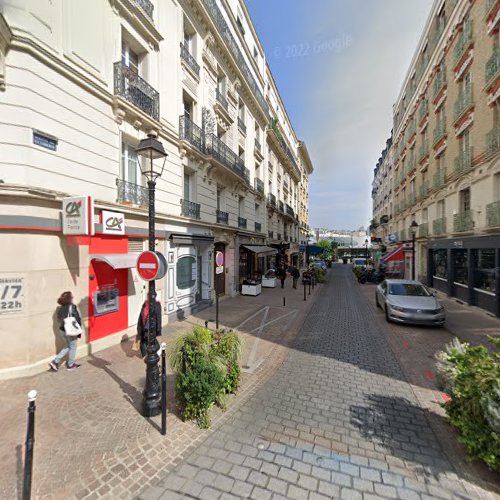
{"x":151,"y":265}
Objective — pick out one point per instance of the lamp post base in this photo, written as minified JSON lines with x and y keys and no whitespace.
{"x":152,"y":393}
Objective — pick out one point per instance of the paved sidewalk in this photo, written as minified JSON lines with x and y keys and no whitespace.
{"x":337,"y":420}
{"x":91,"y":440}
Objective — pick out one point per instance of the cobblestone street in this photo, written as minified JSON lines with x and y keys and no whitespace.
{"x":337,"y":420}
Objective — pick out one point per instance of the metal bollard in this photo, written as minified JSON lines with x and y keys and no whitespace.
{"x":163,"y":389}
{"x":305,"y":291}
{"x":206,"y":324}
{"x":284,"y":302}
{"x":30,"y":443}
{"x":313,"y":279}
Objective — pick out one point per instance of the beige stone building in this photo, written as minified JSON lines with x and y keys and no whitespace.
{"x":446,"y":142}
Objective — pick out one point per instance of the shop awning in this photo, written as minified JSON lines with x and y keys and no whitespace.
{"x":261,"y":251}
{"x":396,"y":254}
{"x":190,"y":239}
{"x":118,"y":260}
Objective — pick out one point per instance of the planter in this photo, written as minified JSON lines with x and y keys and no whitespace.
{"x":253,"y":290}
{"x":269,"y":282}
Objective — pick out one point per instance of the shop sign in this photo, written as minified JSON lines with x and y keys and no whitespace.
{"x":12,"y":295}
{"x":78,"y":215}
{"x":392,"y":238}
{"x":219,"y":262}
{"x":112,"y":222}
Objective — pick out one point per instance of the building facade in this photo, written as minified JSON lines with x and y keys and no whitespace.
{"x":76,"y":104}
{"x":446,"y":142}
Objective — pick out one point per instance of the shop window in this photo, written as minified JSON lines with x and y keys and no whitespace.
{"x":186,"y":275}
{"x":440,"y":264}
{"x":460,"y":266}
{"x":483,"y":262}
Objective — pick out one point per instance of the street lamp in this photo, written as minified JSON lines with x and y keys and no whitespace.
{"x":307,"y":248}
{"x":366,"y":252}
{"x":151,"y":149}
{"x":413,"y":231}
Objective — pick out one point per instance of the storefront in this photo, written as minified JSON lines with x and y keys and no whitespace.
{"x":465,"y":269}
{"x":253,"y":263}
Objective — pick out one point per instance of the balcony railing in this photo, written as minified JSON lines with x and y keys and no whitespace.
{"x":423,"y":110}
{"x":271,"y":200}
{"x":189,"y":131}
{"x":493,"y":214}
{"x":493,"y":141}
{"x":423,"y":230}
{"x":129,"y":192}
{"x":221,"y":99}
{"x":129,"y":85}
{"x":241,"y":125}
{"x":258,"y":185}
{"x":463,"y":103}
{"x":221,"y":152}
{"x":242,"y":222}
{"x":146,"y":6}
{"x":289,"y":211}
{"x":223,"y":30}
{"x":439,"y":131}
{"x":463,"y":163}
{"x":439,"y":82}
{"x":493,"y":66}
{"x":281,"y":206}
{"x":463,"y":222}
{"x":189,"y":59}
{"x":258,"y":227}
{"x":439,"y":226}
{"x":222,"y":217}
{"x":463,"y":42}
{"x":424,"y":191}
{"x":286,"y":149}
{"x":190,"y":209}
{"x":423,"y":151}
{"x":439,"y":179}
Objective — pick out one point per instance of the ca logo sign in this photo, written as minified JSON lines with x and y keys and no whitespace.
{"x":73,"y":208}
{"x":114,"y":223}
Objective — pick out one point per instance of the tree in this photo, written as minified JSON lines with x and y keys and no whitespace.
{"x":327,"y":248}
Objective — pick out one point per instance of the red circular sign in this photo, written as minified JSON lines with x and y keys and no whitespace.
{"x":148,"y":265}
{"x":219,"y":258}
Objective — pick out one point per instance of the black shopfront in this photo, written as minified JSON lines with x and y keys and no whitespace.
{"x":465,"y":268}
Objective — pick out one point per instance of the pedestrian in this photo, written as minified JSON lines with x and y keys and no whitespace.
{"x":143,"y":327}
{"x":70,"y":326}
{"x":295,"y":276}
{"x":282,"y":276}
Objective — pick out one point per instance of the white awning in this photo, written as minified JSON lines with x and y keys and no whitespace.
{"x":118,"y":260}
{"x":261,"y":251}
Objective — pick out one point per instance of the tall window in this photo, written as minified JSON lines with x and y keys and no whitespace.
{"x":241,"y":111}
{"x":465,"y":142}
{"x":130,"y":58}
{"x":241,"y":206}
{"x":188,"y":187}
{"x":425,"y":215}
{"x":496,"y":186}
{"x":440,"y":209}
{"x":219,"y":198}
{"x":464,"y":199}
{"x":130,"y":168}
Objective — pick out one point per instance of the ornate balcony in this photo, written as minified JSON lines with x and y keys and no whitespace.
{"x":493,"y":141}
{"x":128,"y":192}
{"x":286,"y":149}
{"x":463,"y":42}
{"x":189,"y":59}
{"x":463,"y":103}
{"x":221,"y":99}
{"x":190,"y":132}
{"x":493,"y":214}
{"x":242,"y":222}
{"x":439,"y":131}
{"x":463,"y":222}
{"x":289,"y":211}
{"x":271,"y":200}
{"x":439,"y":226}
{"x":258,"y":185}
{"x":439,"y":179}
{"x":131,"y":87}
{"x":190,"y":209}
{"x":423,"y":230}
{"x":222,"y":217}
{"x":221,"y":152}
{"x":492,"y":67}
{"x":146,"y":6}
{"x":258,"y":227}
{"x":463,"y":163}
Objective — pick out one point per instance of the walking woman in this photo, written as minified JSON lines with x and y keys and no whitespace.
{"x":143,"y":325}
{"x":70,"y":326}
{"x":282,"y":276}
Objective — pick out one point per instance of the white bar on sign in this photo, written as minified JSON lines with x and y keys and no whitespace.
{"x":147,"y":266}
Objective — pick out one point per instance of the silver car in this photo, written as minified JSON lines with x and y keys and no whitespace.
{"x":407,"y":301}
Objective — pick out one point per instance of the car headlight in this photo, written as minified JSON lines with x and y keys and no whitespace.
{"x":398,"y":308}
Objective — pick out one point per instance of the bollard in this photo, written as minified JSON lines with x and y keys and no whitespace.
{"x":163,"y":389}
{"x":313,"y":279}
{"x":30,"y":443}
{"x":310,"y":286}
{"x":305,"y":291}
{"x":284,"y":302}
{"x":206,"y":324}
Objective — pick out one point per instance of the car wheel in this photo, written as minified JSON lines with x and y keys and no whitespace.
{"x":387,"y":315}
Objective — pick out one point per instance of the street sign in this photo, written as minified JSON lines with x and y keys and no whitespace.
{"x":151,"y":265}
{"x":219,"y":261}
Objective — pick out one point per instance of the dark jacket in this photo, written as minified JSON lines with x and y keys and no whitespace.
{"x":295,"y":273}
{"x":142,"y":328}
{"x":282,"y":274}
{"x":63,"y":312}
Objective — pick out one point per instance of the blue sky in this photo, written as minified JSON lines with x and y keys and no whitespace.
{"x":339,"y":65}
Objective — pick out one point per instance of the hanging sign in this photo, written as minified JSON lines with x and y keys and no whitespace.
{"x":112,"y":222}
{"x":78,"y":215}
{"x":219,"y":262}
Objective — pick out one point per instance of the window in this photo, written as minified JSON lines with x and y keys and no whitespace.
{"x":186,"y":272}
{"x":219,"y":198}
{"x":188,"y":108}
{"x":496,"y":186}
{"x":440,"y":263}
{"x":464,"y":199}
{"x":465,"y":142}
{"x":221,"y":84}
{"x":130,"y":58}
{"x":440,"y":209}
{"x":187,"y":187}
{"x":130,"y":168}
{"x":241,"y":111}
{"x":460,"y":266}
{"x":483,"y":263}
{"x":256,"y":55}
{"x":425,"y":215}
{"x":241,"y":206}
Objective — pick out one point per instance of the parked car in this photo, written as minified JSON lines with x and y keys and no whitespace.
{"x":359,"y":262}
{"x":321,"y":264}
{"x":408,"y":301}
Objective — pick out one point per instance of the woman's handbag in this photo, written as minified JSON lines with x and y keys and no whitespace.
{"x":71,"y":326}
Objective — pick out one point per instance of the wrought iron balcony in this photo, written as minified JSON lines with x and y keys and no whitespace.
{"x":190,"y":132}
{"x":289,"y":211}
{"x":130,"y":86}
{"x":258,"y":227}
{"x":286,"y":149}
{"x":493,"y":214}
{"x":423,"y":109}
{"x":190,"y":209}
{"x":242,"y":222}
{"x":423,"y":230}
{"x":493,"y":141}
{"x":221,"y":99}
{"x":270,"y":234}
{"x":463,"y":103}
{"x":258,"y":185}
{"x":258,"y":146}
{"x":189,"y":59}
{"x":241,"y":125}
{"x":439,"y":82}
{"x":146,"y":6}
{"x":129,"y":192}
{"x":464,"y":162}
{"x":463,"y":42}
{"x":463,"y":222}
{"x":271,"y":200}
{"x":493,"y":66}
{"x":439,"y":226}
{"x":222,"y":217}
{"x":221,"y":152}
{"x":439,"y":131}
{"x":423,"y":151}
{"x":439,"y":179}
{"x":281,"y":206}
{"x":224,"y":31}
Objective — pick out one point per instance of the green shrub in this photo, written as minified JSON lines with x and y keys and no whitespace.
{"x":320,"y":275}
{"x":471,"y":375}
{"x":358,"y":271}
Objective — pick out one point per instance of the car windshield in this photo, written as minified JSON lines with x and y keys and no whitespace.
{"x":408,"y":289}
{"x":359,"y":262}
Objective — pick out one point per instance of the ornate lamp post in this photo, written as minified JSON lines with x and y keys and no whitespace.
{"x":151,"y":149}
{"x":413,"y":231}
{"x":366,"y":250}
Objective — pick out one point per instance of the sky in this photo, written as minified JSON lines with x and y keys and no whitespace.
{"x":339,"y":66}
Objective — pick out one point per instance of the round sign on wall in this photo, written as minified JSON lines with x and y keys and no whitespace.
{"x":151,"y":265}
{"x":219,"y":258}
